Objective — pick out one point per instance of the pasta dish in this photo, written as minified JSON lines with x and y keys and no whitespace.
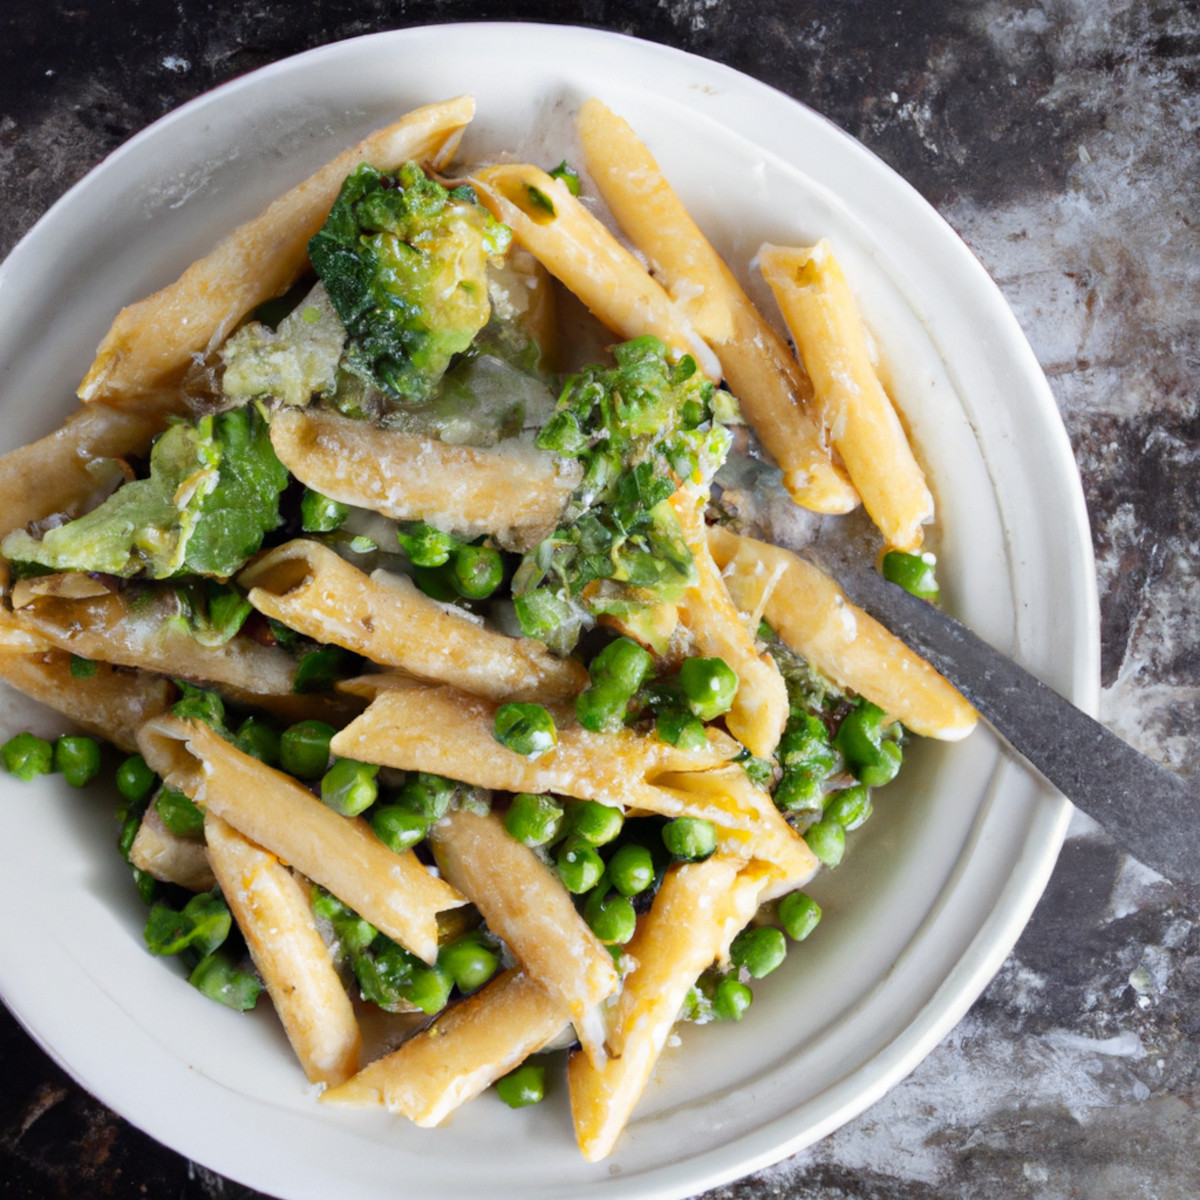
{"x":408,"y":551}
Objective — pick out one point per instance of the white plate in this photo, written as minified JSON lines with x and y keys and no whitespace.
{"x":935,"y":889}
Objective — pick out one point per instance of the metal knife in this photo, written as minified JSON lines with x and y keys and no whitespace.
{"x":1148,"y":809}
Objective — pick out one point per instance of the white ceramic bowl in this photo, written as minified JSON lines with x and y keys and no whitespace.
{"x":935,"y":889}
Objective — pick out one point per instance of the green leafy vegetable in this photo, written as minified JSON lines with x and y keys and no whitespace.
{"x":639,"y":429}
{"x":404,"y":262}
{"x":211,"y":495}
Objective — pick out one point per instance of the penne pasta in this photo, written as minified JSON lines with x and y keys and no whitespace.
{"x":392,"y":891}
{"x":109,"y":702}
{"x":524,"y":904}
{"x":155,"y":339}
{"x":512,"y":491}
{"x":810,"y":613}
{"x":696,"y":913}
{"x":775,"y":395}
{"x":581,"y":253}
{"x":464,"y":1051}
{"x":169,"y":857}
{"x":760,"y":707}
{"x":272,"y":911}
{"x":830,"y":338}
{"x":149,"y":635}
{"x":310,"y":588}
{"x":447,"y":732}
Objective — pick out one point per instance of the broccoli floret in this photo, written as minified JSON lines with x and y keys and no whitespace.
{"x":639,"y":429}
{"x":212,"y":493}
{"x":404,"y":261}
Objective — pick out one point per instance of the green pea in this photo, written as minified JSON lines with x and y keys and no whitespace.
{"x":533,"y":820}
{"x":78,"y":758}
{"x":799,"y":914}
{"x":872,"y":757}
{"x":859,"y":735}
{"x":731,"y":998}
{"x":598,"y":824}
{"x":622,"y":662}
{"x":135,"y":780}
{"x":690,"y":838}
{"x":678,"y":727}
{"x":27,"y":756}
{"x":427,"y":795}
{"x":179,"y":813}
{"x":710,"y":685}
{"x":526,"y":729}
{"x":602,"y":708}
{"x":429,"y":989}
{"x":258,"y":739}
{"x":805,"y":744}
{"x":320,"y":514}
{"x":913,"y":572}
{"x":849,"y":807}
{"x":758,"y":948}
{"x":631,"y":869}
{"x":398,"y":827}
{"x":349,"y":786}
{"x":524,"y":1086}
{"x":798,"y":792}
{"x":884,"y":767}
{"x":610,"y":916}
{"x":470,"y":961}
{"x":217,"y":978}
{"x":424,"y":545}
{"x":476,"y":571}
{"x":579,"y":866}
{"x":304,"y":749}
{"x":827,"y":840}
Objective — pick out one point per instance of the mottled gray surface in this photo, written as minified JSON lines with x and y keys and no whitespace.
{"x":1060,"y":139}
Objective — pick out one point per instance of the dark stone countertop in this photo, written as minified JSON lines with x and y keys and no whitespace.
{"x":1059,"y":137}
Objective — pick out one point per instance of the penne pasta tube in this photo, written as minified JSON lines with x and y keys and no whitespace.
{"x":819,"y":310}
{"x":308,"y":587}
{"x":273,"y":912}
{"x":698,"y":910}
{"x":148,"y":634}
{"x":464,"y":1051}
{"x":525,"y":905}
{"x":512,"y":491}
{"x":760,"y":707}
{"x":168,"y":856}
{"x":155,"y":339}
{"x":579,"y":251}
{"x":110,"y":703}
{"x":809,"y":612}
{"x":394,"y":892}
{"x":447,"y":732}
{"x":774,"y":393}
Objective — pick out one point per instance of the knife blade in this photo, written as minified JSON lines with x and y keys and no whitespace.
{"x":1153,"y":812}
